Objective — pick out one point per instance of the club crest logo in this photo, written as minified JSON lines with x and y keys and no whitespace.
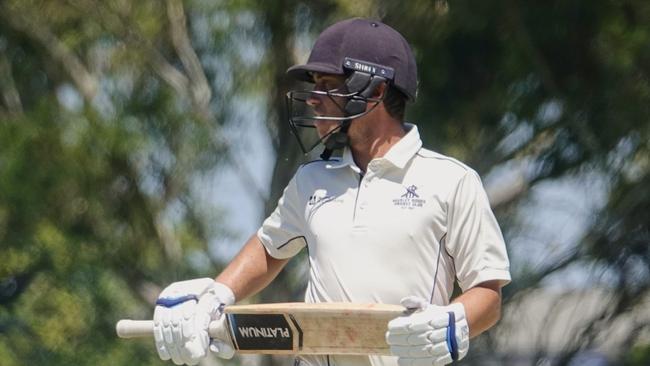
{"x":410,"y":199}
{"x":410,"y":192}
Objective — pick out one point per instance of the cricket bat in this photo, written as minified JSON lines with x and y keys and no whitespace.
{"x":295,"y":328}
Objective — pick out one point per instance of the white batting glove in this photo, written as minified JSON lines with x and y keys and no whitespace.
{"x":183,"y":312}
{"x":432,"y":335}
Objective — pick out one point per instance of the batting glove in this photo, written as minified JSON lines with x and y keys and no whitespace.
{"x":183,"y":312}
{"x":431,"y":335}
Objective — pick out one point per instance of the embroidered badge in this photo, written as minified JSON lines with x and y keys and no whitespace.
{"x":410,"y":192}
{"x":410,"y":199}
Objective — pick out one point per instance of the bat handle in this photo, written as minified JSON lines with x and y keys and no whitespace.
{"x":127,"y":328}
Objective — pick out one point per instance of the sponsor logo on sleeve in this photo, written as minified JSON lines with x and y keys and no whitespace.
{"x":320,"y":197}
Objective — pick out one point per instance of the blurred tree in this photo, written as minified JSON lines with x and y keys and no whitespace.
{"x":108,"y":118}
{"x":110,"y":112}
{"x":546,"y":92}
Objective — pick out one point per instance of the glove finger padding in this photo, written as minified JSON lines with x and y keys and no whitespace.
{"x":222,"y":349}
{"x":414,"y":339}
{"x":430,"y":319}
{"x":433,"y":335}
{"x":428,"y":349}
{"x":182,"y":317}
{"x":160,"y":343}
{"x":414,"y":303}
{"x":407,"y":339}
{"x":194,"y":349}
{"x":416,"y":322}
{"x":420,"y":351}
{"x":170,"y":335}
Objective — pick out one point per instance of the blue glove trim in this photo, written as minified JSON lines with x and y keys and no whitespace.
{"x":170,"y":302}
{"x":451,"y":336}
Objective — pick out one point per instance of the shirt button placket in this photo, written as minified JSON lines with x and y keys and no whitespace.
{"x":362,"y":203}
{"x":365,"y":193}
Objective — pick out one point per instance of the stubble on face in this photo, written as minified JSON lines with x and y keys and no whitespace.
{"x":325,"y":105}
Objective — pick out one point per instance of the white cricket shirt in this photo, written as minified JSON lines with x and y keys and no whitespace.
{"x":410,"y":225}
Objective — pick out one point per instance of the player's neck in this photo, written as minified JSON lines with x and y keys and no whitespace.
{"x":374,"y":139}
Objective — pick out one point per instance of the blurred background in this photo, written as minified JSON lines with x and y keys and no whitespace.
{"x":141,"y":142}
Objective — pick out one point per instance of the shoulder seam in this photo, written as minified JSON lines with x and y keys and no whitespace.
{"x":443,"y":157}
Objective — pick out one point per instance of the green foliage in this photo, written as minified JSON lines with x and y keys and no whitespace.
{"x":638,"y":356}
{"x":109,"y":111}
{"x":97,"y":155}
{"x":64,"y":241}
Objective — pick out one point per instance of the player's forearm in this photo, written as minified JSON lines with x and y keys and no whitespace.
{"x":482,"y":306}
{"x":251,"y":270}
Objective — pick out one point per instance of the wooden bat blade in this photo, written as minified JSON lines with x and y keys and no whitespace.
{"x":300,"y":328}
{"x":296,"y":328}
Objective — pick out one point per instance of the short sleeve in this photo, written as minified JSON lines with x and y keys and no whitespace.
{"x":474,"y":238}
{"x":282,"y":232}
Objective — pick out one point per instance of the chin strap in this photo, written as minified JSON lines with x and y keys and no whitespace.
{"x":338,"y":140}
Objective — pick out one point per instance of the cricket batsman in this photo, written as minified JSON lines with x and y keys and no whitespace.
{"x":384,"y":220}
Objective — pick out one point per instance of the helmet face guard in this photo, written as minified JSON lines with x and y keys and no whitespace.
{"x":302,"y":116}
{"x":351,"y":101}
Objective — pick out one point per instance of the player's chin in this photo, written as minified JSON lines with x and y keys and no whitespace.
{"x":325,"y":127}
{"x":324,"y":133}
